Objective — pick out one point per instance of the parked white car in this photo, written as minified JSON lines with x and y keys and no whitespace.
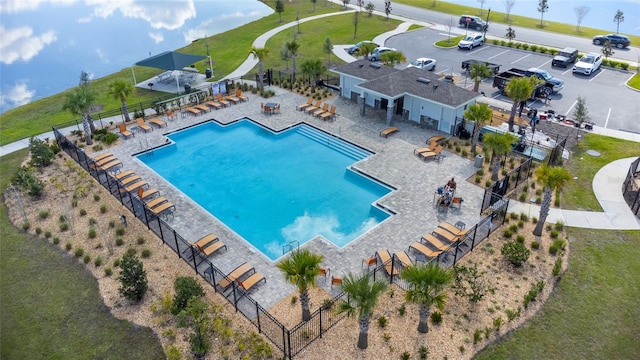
{"x":375,"y":56}
{"x":423,"y":63}
{"x":588,"y":64}
{"x":470,"y":41}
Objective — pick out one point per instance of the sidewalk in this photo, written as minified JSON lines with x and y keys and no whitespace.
{"x":607,"y":183}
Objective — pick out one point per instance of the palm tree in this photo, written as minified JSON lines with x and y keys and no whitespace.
{"x":260,"y":54}
{"x":121,"y":90}
{"x":78,"y":102}
{"x":362,"y":297}
{"x":301,"y":270}
{"x":519,"y":90}
{"x":499,"y":145}
{"x":367,"y":49}
{"x":480,"y":114}
{"x":552,"y":178}
{"x":293,"y":47}
{"x":313,"y":68}
{"x":393,"y":58}
{"x":426,"y":288}
{"x":477,"y":72}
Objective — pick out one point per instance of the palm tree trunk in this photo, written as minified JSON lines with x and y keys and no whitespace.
{"x":90,"y":121}
{"x":125,"y":111}
{"x":363,"y":337}
{"x":495,"y":167}
{"x":423,"y":326}
{"x":293,"y":64}
{"x":512,"y":115}
{"x":304,"y":302}
{"x":87,"y":130}
{"x":260,"y":75}
{"x":476,"y":135}
{"x":544,"y":212}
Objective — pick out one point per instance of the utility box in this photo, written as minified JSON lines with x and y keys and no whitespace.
{"x":208,"y":73}
{"x":479,"y":160}
{"x":187,"y":88}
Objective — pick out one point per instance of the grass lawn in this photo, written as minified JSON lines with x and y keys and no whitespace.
{"x":516,"y":20}
{"x":50,"y":305}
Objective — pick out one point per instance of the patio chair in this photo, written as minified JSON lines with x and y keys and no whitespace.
{"x":431,"y":147}
{"x":143,"y":194}
{"x":313,"y":107}
{"x":388,"y":131}
{"x":203,"y":107}
{"x":324,"y":109}
{"x":124,"y":132}
{"x":385,"y":259}
{"x":124,"y":174}
{"x":304,"y":105}
{"x":431,"y":154}
{"x":404,"y":259}
{"x":191,"y":110}
{"x":457,"y":200}
{"x":212,"y":247}
{"x":452,"y":228}
{"x":143,"y":125}
{"x":135,"y":186}
{"x":335,"y":280}
{"x":324,"y":271}
{"x":106,"y":160}
{"x":370,"y":261}
{"x":164,"y":207}
{"x":171,"y":115}
{"x":156,"y":202}
{"x":214,"y":104}
{"x":156,"y":121}
{"x":435,"y":242}
{"x":101,"y":156}
{"x":424,"y":250}
{"x":111,"y":165}
{"x":232,"y":98}
{"x":445,"y":235}
{"x":251,"y":281}
{"x":222,"y":101}
{"x":240,"y":96}
{"x":236,"y":273}
{"x":206,"y":240}
{"x":129,"y":179}
{"x":330,"y":115}
{"x":434,"y":139}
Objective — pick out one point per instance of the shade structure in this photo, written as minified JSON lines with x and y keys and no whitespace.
{"x":170,"y":60}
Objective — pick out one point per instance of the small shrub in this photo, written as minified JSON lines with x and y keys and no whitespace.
{"x":146,"y":253}
{"x":83,"y":212}
{"x":38,"y":231}
{"x":523,"y":197}
{"x":26,"y":225}
{"x":405,"y":356}
{"x":116,"y":262}
{"x":511,"y":314}
{"x":497,"y":323}
{"x":507,"y":233}
{"x":423,"y":352}
{"x":477,"y":336}
{"x":64,"y":226}
{"x":488,"y":183}
{"x":98,"y":261}
{"x":112,"y":224}
{"x":103,"y":208}
{"x":96,"y":197}
{"x":557,"y":267}
{"x":68,"y":246}
{"x":515,"y":252}
{"x":382,"y":321}
{"x":119,"y":241}
{"x":108,"y":271}
{"x":535,"y":245}
{"x":559,"y":226}
{"x":534,"y":220}
{"x":554,"y":234}
{"x":185,"y":288}
{"x":436,"y":317}
{"x":514,"y":228}
{"x":386,"y":337}
{"x":520,"y":239}
{"x":556,"y":246}
{"x":120,"y":231}
{"x":520,"y":224}
{"x":524,"y":217}
{"x":131,"y":251}
{"x":56,"y":240}
{"x":327,"y":304}
{"x":78,"y":252}
{"x":402,"y":310}
{"x":140,"y":240}
{"x":43,"y":214}
{"x":92,"y":233}
{"x":92,"y":221}
{"x":513,"y":216}
{"x":86,"y":259}
{"x":294,"y":299}
{"x":480,"y":172}
{"x":47,"y":234}
{"x":478,"y":179}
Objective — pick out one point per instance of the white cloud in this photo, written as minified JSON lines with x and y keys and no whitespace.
{"x":102,"y":56}
{"x":157,"y":37}
{"x":17,"y":96}
{"x":15,"y":6}
{"x":20,"y":43}
{"x":168,"y":15}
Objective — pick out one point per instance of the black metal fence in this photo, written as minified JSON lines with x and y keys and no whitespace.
{"x":290,"y":341}
{"x":631,"y":187}
{"x":555,"y":157}
{"x":495,"y":193}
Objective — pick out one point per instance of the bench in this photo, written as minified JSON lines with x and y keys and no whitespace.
{"x":388,"y":131}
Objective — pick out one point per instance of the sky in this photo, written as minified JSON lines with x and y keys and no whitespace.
{"x":46,"y":44}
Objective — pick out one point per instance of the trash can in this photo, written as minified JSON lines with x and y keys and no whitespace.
{"x":479,"y":161}
{"x":187,"y":88}
{"x":208,"y":73}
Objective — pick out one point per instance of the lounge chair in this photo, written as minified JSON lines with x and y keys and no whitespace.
{"x":102,"y":156}
{"x":330,"y":114}
{"x":213,"y":104}
{"x":192,"y":110}
{"x":403,"y":258}
{"x":304,"y":105}
{"x":424,"y":250}
{"x":236,"y":273}
{"x":370,"y":261}
{"x":222,"y":101}
{"x":156,"y":121}
{"x":143,"y":194}
{"x":324,"y":272}
{"x":124,"y":174}
{"x":240,"y":96}
{"x":212,"y":247}
{"x":431,"y":147}
{"x":156,"y":202}
{"x":206,"y":240}
{"x":431,"y":154}
{"x":110,"y":165}
{"x":129,"y":179}
{"x":232,"y":98}
{"x":452,"y":228}
{"x":444,"y":234}
{"x":171,"y":115}
{"x":123,"y":130}
{"x":324,"y":109}
{"x":385,"y":259}
{"x":167,"y":206}
{"x":335,"y":280}
{"x":143,"y":125}
{"x":434,"y":139}
{"x":313,"y":107}
{"x":106,"y":160}
{"x":135,"y":186}
{"x":251,"y":281}
{"x":388,"y":131}
{"x":203,"y":107}
{"x":435,"y":242}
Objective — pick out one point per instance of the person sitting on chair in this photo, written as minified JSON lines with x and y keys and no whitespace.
{"x":451,"y":184}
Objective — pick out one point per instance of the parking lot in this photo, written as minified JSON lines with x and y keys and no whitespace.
{"x":609,"y":102}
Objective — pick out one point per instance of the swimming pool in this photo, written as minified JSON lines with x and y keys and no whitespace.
{"x":273,"y":189}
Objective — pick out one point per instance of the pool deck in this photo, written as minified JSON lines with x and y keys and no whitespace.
{"x":393,"y":163}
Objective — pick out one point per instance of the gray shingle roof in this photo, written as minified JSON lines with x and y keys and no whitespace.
{"x":364,"y":69}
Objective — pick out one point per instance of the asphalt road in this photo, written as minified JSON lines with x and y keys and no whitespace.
{"x":609,"y":102}
{"x":531,"y":36}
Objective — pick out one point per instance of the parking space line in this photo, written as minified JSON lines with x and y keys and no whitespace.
{"x":570,"y":108}
{"x":598,"y":74}
{"x":480,"y":49}
{"x":498,"y":54}
{"x":543,"y":64}
{"x":608,"y":116}
{"x":526,"y":56}
{"x":566,"y":71}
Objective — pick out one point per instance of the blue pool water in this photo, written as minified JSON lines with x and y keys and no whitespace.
{"x":270,"y":188}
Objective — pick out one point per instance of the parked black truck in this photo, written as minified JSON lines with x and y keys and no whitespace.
{"x":551,"y":85}
{"x":495,"y":68}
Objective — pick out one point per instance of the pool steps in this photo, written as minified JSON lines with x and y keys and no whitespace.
{"x":341,"y":146}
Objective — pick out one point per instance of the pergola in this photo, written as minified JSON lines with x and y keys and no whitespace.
{"x":170,"y":60}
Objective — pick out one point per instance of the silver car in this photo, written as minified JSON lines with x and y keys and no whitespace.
{"x":588,"y":64}
{"x":470,"y":41}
